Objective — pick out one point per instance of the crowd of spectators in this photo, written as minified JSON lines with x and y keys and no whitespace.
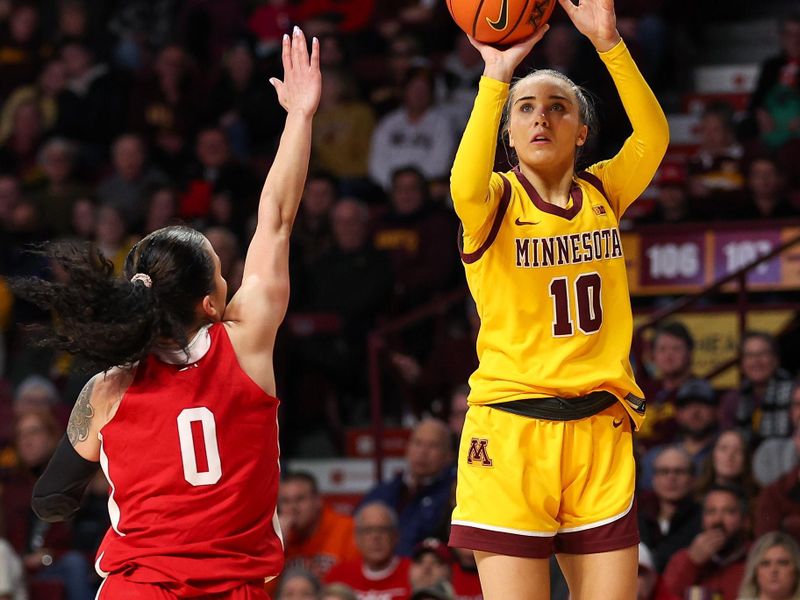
{"x":121,"y":117}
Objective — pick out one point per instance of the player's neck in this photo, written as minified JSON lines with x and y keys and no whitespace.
{"x":552,"y":185}
{"x":198,"y":345}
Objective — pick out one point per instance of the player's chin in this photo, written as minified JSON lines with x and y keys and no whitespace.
{"x":540,"y":155}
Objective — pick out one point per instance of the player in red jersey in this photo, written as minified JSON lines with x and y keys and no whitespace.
{"x":183,"y":416}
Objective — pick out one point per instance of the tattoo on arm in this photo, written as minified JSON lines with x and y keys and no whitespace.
{"x":81,"y":417}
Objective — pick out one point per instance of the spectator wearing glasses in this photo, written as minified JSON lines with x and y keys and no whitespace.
{"x":379,"y":571}
{"x":669,"y":517}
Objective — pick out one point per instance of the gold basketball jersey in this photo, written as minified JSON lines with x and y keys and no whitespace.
{"x":552,"y":294}
{"x":550,"y":282}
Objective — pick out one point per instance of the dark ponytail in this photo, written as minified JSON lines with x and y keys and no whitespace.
{"x":111,"y":321}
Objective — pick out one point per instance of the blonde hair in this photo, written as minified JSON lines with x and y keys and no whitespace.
{"x":749,"y":588}
{"x":586,"y":109}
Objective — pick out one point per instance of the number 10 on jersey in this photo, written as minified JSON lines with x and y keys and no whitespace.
{"x":586,"y":298}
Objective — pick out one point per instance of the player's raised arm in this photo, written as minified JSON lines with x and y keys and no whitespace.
{"x":261,"y":302}
{"x":626,"y":175}
{"x":471,"y":176}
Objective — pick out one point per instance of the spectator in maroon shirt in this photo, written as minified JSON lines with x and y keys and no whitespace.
{"x":21,"y":47}
{"x":716,"y":168}
{"x":419,"y":238}
{"x":714,"y":561}
{"x":778,"y":506}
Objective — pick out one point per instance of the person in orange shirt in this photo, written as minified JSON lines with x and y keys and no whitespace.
{"x":315,"y":536}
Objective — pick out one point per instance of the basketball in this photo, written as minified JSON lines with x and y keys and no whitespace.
{"x":501,"y":22}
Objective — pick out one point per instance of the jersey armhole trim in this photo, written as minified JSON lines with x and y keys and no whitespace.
{"x":594,"y":180}
{"x":137,"y":370}
{"x":502,"y":207}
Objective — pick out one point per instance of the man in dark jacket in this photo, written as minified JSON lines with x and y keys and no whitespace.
{"x":421,"y":493}
{"x":668,"y":516}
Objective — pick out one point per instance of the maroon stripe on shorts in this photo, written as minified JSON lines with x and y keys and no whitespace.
{"x":507,"y":544}
{"x":622,"y":533}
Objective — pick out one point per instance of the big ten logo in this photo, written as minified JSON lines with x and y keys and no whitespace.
{"x":671,"y":260}
{"x":741,"y":253}
{"x":478,"y":453}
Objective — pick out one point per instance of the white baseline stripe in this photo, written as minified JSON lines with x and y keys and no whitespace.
{"x":598,"y":523}
{"x":544,"y":533}
{"x":505,"y":529}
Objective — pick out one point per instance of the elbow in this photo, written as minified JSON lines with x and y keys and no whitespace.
{"x":664,"y":132}
{"x":659,"y":129}
{"x":466,"y":190}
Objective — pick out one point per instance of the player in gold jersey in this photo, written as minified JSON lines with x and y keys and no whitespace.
{"x":546,"y":462}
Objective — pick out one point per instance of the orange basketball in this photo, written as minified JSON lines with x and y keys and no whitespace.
{"x":501,"y":22}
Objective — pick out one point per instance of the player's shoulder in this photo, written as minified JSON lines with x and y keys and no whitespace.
{"x":594,"y":179}
{"x":108,"y":386}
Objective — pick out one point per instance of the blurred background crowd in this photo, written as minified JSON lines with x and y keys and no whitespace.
{"x":121,"y":117}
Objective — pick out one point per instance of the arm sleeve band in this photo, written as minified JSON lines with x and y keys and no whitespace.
{"x":58,"y":492}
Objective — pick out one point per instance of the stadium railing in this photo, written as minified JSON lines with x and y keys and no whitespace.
{"x":377,"y":340}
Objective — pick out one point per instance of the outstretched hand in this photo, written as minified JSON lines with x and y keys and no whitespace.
{"x":596,"y":20}
{"x":501,"y":62}
{"x":302,"y":82}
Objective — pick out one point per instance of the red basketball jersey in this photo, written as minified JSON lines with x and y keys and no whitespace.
{"x":192,"y":459}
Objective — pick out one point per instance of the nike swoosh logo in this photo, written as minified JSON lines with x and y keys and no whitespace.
{"x":502,"y":20}
{"x":616,"y":422}
{"x":518,"y":222}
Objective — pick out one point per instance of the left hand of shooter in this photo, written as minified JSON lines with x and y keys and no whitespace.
{"x":596,"y":20}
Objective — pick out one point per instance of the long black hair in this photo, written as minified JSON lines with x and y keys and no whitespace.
{"x":113,"y":321}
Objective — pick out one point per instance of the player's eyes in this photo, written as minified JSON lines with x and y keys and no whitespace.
{"x":557,"y":107}
{"x":526,"y":107}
